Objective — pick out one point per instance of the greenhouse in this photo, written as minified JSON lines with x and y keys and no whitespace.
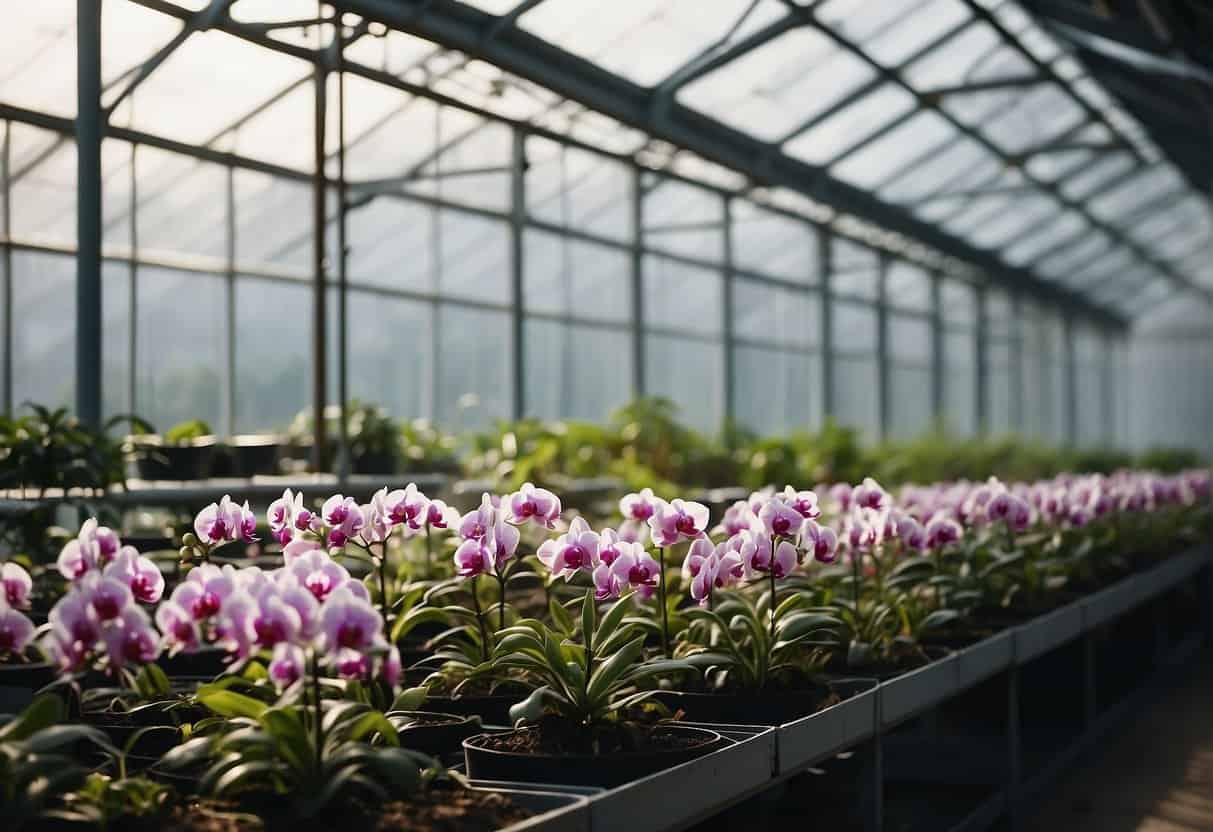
{"x":585,"y":415}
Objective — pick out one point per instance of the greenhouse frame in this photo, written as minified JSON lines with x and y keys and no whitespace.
{"x":902,"y":212}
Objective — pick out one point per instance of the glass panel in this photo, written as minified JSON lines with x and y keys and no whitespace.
{"x":179,"y":373}
{"x":909,"y":340}
{"x":854,"y":328}
{"x":566,"y":374}
{"x":42,"y":186}
{"x":926,"y":24}
{"x":1030,"y":209}
{"x":669,"y":205}
{"x":274,"y":353}
{"x":44,"y":331}
{"x":641,"y":42}
{"x":391,"y":244}
{"x":776,"y":391}
{"x":936,"y":169}
{"x":274,"y":222}
{"x":908,"y":286}
{"x":38,"y":56}
{"x":1092,"y":177}
{"x":857,"y":394}
{"x":1064,"y":227}
{"x":960,"y":382}
{"x":851,"y":125}
{"x":770,"y":313}
{"x":957,"y":303}
{"x":682,"y":297}
{"x":876,"y":162}
{"x":473,"y":169}
{"x":474,"y":257}
{"x":998,"y":388}
{"x":115,"y":339}
{"x":182,"y":205}
{"x":692,"y":376}
{"x":473,"y":367}
{"x":774,"y":244}
{"x":954,"y":60}
{"x":564,"y":276}
{"x":855,"y":269}
{"x":569,"y":187}
{"x":776,"y":87}
{"x":909,"y":400}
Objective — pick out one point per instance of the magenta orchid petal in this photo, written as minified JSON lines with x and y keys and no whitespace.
{"x":17,"y":585}
{"x":16,"y":630}
{"x":349,"y":623}
{"x":179,"y":629}
{"x":287,"y":665}
{"x":533,"y":504}
{"x":638,"y":506}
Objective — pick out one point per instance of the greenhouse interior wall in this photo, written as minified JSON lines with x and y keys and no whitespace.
{"x":510,"y":254}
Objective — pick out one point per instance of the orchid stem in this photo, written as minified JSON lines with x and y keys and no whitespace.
{"x":381,"y":568}
{"x":665,"y":615}
{"x":501,"y":601}
{"x":319,"y":710}
{"x":771,"y":573}
{"x":484,"y":633}
{"x":429,"y":551}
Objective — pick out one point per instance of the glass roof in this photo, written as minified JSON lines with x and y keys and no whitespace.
{"x":964,"y":113}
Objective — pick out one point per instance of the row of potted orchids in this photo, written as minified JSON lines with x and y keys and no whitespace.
{"x":582,"y":640}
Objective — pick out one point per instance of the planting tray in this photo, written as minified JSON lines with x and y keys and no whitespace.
{"x":806,"y":741}
{"x":980,"y":661}
{"x":560,"y":808}
{"x":683,"y":795}
{"x":1042,"y":634}
{"x":910,"y":693}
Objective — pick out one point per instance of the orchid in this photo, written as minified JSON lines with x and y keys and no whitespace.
{"x":572,"y":552}
{"x":98,"y":623}
{"x":638,"y":506}
{"x":17,"y":585}
{"x":531,"y":503}
{"x":139,"y":573}
{"x":677,"y":520}
{"x":16,"y":630}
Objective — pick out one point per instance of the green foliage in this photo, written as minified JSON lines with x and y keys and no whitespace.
{"x":369,"y":429}
{"x":262,"y":751}
{"x":732,"y":641}
{"x":50,"y":449}
{"x":37,"y":763}
{"x":428,"y":449}
{"x":1169,"y":460}
{"x":584,"y":683}
{"x":184,"y":433}
{"x":105,"y":802}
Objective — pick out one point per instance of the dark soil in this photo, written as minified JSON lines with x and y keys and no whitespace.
{"x":466,"y":811}
{"x":555,"y":736}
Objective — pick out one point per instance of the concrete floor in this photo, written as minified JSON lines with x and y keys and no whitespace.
{"x":1154,"y":775}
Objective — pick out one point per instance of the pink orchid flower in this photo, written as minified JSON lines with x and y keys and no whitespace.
{"x":780,"y":519}
{"x":17,"y":585}
{"x":407,"y":507}
{"x":476,"y":523}
{"x":222,"y":522}
{"x":180,"y":629}
{"x":530,"y":503}
{"x":287,"y":665}
{"x":16,"y":630}
{"x":131,"y":639}
{"x":139,"y":573}
{"x":573,"y":551}
{"x":638,"y":506}
{"x":344,"y":518}
{"x":803,"y":503}
{"x":349,"y":623}
{"x":821,"y":541}
{"x":678,"y":520}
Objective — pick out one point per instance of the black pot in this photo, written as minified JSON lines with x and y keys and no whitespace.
{"x":205,"y":663}
{"x":430,"y":736}
{"x":250,"y":456}
{"x":374,"y":462}
{"x":603,"y":770}
{"x":175,"y":462}
{"x":158,"y":737}
{"x":19,"y":683}
{"x":758,"y":707}
{"x":492,"y":710}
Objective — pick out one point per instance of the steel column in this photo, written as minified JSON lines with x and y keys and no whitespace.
{"x":517,"y":320}
{"x":1070,"y":375}
{"x":824,"y":263}
{"x":1017,"y":345}
{"x":89,"y":129}
{"x":882,"y":346}
{"x":319,"y":288}
{"x":6,"y":272}
{"x":229,"y":295}
{"x":132,"y":335}
{"x":343,"y":339}
{"x":982,"y":361}
{"x":938,"y":407}
{"x":730,"y":360}
{"x":638,"y":374}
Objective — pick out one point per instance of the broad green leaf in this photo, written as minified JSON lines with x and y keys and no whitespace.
{"x":229,"y":703}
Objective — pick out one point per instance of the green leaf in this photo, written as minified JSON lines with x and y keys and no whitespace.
{"x":561,"y":619}
{"x":409,"y":699}
{"x":229,"y":703}
{"x":531,"y":708}
{"x":803,"y":623}
{"x":606,"y":675}
{"x":373,"y":723}
{"x":47,"y":709}
{"x":588,"y":619}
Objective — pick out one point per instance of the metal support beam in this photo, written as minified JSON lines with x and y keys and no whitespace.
{"x":319,"y":289}
{"x":132,"y":301}
{"x":1009,"y":82}
{"x":343,"y":256}
{"x":824,"y":269}
{"x":730,"y":359}
{"x":1070,"y":370}
{"x":639,"y":386}
{"x":983,"y":361}
{"x":884,"y":404}
{"x":1017,"y":366}
{"x":517,"y":226}
{"x":938,"y":406}
{"x":6,"y":273}
{"x":229,"y":294}
{"x":89,"y":127}
{"x":462,"y":27}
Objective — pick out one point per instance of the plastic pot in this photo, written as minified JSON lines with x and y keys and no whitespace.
{"x":436,"y":733}
{"x":747,"y":707}
{"x":19,"y":683}
{"x":205,"y":663}
{"x":492,"y":710}
{"x":603,"y":770}
{"x":253,"y":455}
{"x":190,"y":461}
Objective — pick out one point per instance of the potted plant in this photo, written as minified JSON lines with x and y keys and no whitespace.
{"x":248,"y":455}
{"x":184,"y":453}
{"x":23,"y":669}
{"x":374,"y":437}
{"x":578,"y":726}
